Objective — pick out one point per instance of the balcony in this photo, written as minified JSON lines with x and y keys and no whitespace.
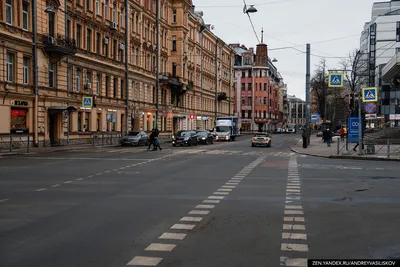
{"x":59,"y":46}
{"x":173,"y":81}
{"x":222,"y":96}
{"x":190,"y":85}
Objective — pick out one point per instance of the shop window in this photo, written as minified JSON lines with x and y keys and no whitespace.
{"x":19,"y":122}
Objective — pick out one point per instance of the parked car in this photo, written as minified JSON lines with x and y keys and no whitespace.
{"x":205,"y":137}
{"x":261,"y":139}
{"x":135,"y":139}
{"x":185,"y":138}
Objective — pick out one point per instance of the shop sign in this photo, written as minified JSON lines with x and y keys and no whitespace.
{"x":20,"y":103}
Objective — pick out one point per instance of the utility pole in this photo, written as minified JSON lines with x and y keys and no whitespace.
{"x":230,"y":83}
{"x":360,"y":130}
{"x":308,"y":75}
{"x":35,"y":73}
{"x":157,"y":58}
{"x":216,"y":81}
{"x":325,"y":93}
{"x":67,"y":62}
{"x":202,"y":29}
{"x":126,"y":65}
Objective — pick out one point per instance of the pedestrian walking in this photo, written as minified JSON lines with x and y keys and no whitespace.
{"x":304,"y":136}
{"x":341,"y":132}
{"x":152,"y":138}
{"x":328,"y":137}
{"x":157,"y":144}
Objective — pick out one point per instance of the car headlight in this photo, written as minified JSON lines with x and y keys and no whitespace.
{"x":203,"y":138}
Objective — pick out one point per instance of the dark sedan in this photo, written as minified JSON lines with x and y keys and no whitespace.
{"x":205,"y":137}
{"x":135,"y":139}
{"x":185,"y":138}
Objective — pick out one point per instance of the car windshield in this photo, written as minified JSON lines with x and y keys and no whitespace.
{"x":183,"y":134}
{"x":222,"y":129}
{"x":202,"y":133}
{"x":133,"y":134}
{"x":262,"y":135}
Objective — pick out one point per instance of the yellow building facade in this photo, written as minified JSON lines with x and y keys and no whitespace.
{"x":80,"y":86}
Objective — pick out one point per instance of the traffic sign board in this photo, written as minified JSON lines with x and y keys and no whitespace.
{"x":370,"y":107}
{"x":370,"y":94}
{"x":335,"y":80}
{"x":352,"y":133}
{"x":87,"y":101}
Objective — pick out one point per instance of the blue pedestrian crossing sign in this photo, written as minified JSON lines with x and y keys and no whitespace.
{"x":370,"y":94}
{"x":87,"y":102}
{"x":335,"y":80}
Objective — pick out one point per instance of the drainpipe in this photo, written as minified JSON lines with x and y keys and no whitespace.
{"x":201,"y":79}
{"x":126,"y":65}
{"x":230,"y":83}
{"x":216,"y":81}
{"x":157,"y":60}
{"x":35,"y":74}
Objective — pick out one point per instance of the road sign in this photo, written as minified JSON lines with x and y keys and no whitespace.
{"x":335,"y":80}
{"x":352,"y":133}
{"x":370,"y":116}
{"x":87,"y":101}
{"x":370,"y":107}
{"x":315,"y":117}
{"x":370,"y":94}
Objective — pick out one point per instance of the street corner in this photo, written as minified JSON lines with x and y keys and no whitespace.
{"x":353,"y":157}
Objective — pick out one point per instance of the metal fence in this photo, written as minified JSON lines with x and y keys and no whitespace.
{"x":384,"y":148}
{"x":15,"y":143}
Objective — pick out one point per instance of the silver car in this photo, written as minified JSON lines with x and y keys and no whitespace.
{"x":135,"y":139}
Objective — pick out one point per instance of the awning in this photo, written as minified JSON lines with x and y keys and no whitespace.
{"x":61,"y":108}
{"x":179,"y":117}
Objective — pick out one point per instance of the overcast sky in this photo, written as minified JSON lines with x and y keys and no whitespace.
{"x":289,"y":23}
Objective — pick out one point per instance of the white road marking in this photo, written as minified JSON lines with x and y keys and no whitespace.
{"x":4,"y":200}
{"x":107,"y":171}
{"x":90,"y":176}
{"x":295,"y":262}
{"x":293,"y":184}
{"x":145,"y":261}
{"x":205,"y":206}
{"x":293,"y":187}
{"x":56,"y":185}
{"x":160,"y":247}
{"x":294,"y":212}
{"x":224,"y":190}
{"x":173,"y":236}
{"x":228,"y":186}
{"x":41,"y":189}
{"x":228,"y":183}
{"x":293,"y":219}
{"x":180,"y":226}
{"x":294,"y":247}
{"x":216,"y":197}
{"x":294,"y":227}
{"x":207,"y":201}
{"x":79,"y":179}
{"x":67,"y":182}
{"x":199,"y":212}
{"x":294,"y":207}
{"x":191,"y":219}
{"x":292,"y":190}
{"x":294,"y":236}
{"x":221,"y":193}
{"x":99,"y":173}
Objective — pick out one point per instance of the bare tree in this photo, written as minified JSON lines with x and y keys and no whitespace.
{"x":355,"y":69}
{"x":319,"y":88}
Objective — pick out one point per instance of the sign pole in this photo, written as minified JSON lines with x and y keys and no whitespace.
{"x":360,"y":135}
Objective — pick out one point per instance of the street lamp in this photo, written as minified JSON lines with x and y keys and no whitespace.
{"x":251,"y":9}
{"x":7,"y":91}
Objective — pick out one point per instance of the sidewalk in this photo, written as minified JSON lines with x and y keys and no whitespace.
{"x":318,"y":148}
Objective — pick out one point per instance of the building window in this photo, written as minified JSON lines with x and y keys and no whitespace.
{"x":114,"y":14}
{"x":78,"y":80}
{"x":106,"y":9}
{"x":98,"y":43}
{"x":25,"y":70}
{"x":107,"y":85}
{"x":25,"y":16}
{"x":78,"y":35}
{"x":98,"y":83}
{"x":97,"y":7}
{"x":243,"y":87}
{"x":243,"y":100}
{"x":10,"y":67}
{"x":52,"y":74}
{"x":174,"y":43}
{"x":137,"y":23}
{"x":51,"y":23}
{"x":398,"y":31}
{"x":247,"y":61}
{"x":89,"y":40}
{"x":249,"y":87}
{"x":115,"y":87}
{"x":121,"y":18}
{"x":115,"y":49}
{"x":88,"y":4}
{"x":88,"y":80}
{"x":243,"y":74}
{"x":249,"y":73}
{"x":105,"y":52}
{"x":174,"y":16}
{"x":148,"y":93}
{"x":9,"y":12}
{"x":137,"y":56}
{"x":249,"y":101}
{"x":122,"y":85}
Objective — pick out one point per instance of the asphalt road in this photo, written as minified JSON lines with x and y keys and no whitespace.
{"x":226,"y":204}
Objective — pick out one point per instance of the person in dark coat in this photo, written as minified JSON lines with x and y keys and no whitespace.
{"x":328,"y":137}
{"x":152,"y":138}
{"x":304,"y":136}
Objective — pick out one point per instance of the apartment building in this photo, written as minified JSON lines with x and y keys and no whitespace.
{"x":297,"y":110}
{"x":81,"y":85}
{"x":258,"y":86}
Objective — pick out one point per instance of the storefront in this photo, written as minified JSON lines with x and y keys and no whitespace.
{"x":16,"y":118}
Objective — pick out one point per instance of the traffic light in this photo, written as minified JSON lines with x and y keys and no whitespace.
{"x":192,"y":116}
{"x":94,"y":101}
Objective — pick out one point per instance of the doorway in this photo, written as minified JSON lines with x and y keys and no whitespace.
{"x":53,"y":128}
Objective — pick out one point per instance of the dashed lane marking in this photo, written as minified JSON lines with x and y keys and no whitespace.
{"x":205,"y":206}
{"x":191,"y":219}
{"x":41,"y":189}
{"x":145,"y":261}
{"x":4,"y":200}
{"x":221,"y":193}
{"x":293,"y":219}
{"x":160,"y":247}
{"x":173,"y":236}
{"x":216,"y":197}
{"x":199,"y":212}
{"x":224,"y":190}
{"x":56,"y":185}
{"x":294,"y":236}
{"x":208,"y":201}
{"x":294,"y":212}
{"x":294,"y":247}
{"x":293,"y":227}
{"x":285,"y":261}
{"x":180,"y":226}
{"x":67,"y":182}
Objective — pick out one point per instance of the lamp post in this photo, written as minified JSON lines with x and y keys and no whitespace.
{"x":157,"y":58}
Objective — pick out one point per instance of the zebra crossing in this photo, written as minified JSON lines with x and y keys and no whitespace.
{"x":235,"y":152}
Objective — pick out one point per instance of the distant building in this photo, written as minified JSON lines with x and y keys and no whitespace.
{"x":297,"y":110}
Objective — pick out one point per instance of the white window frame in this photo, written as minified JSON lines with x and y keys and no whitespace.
{"x":148,"y":93}
{"x":25,"y":16}
{"x":114,"y":14}
{"x":174,"y":16}
{"x":98,"y":78}
{"x":78,"y":80}
{"x":52,"y":71}
{"x":97,"y":7}
{"x":121,"y":19}
{"x":9,"y":9}
{"x":10,"y":67}
{"x":106,"y":9}
{"x":25,"y":70}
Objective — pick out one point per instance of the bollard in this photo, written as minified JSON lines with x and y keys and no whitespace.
{"x":93,"y":139}
{"x":338,"y":146}
{"x":102,"y":139}
{"x":29,"y":143}
{"x":10,"y":143}
{"x":388,"y":148}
